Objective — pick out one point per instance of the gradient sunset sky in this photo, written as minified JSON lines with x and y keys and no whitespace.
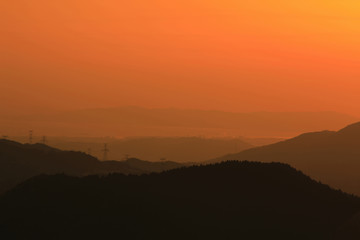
{"x":238,"y":55}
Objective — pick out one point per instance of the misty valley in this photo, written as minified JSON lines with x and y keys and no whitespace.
{"x":305,"y":187}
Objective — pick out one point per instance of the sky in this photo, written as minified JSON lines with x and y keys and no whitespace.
{"x":243,"y":56}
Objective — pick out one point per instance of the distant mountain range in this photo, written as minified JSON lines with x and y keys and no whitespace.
{"x":19,"y":162}
{"x":232,"y":200}
{"x":329,"y":156}
{"x":177,"y":149}
{"x":137,"y":121}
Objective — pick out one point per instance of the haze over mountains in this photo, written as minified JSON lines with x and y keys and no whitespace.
{"x":179,"y":120}
{"x":230,"y":200}
{"x":329,"y":156}
{"x":138,"y":121}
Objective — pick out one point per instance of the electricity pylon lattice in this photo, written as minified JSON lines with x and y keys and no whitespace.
{"x":105,"y":151}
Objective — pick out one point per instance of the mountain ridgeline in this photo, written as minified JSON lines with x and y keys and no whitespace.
{"x":176,"y":149}
{"x":328,"y":156}
{"x":19,"y":162}
{"x":230,"y":200}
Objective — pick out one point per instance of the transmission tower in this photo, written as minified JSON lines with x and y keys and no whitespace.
{"x":105,"y":151}
{"x":43,"y":140}
{"x":30,"y":136}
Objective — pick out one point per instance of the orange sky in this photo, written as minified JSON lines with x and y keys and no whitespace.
{"x":249,"y":55}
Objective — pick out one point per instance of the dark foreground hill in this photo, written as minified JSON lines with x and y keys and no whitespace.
{"x":331,"y":157}
{"x":231,"y":200}
{"x":19,"y":162}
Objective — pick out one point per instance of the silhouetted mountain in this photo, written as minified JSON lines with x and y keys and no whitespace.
{"x":177,"y":149}
{"x":138,"y":121}
{"x":261,"y":141}
{"x":151,"y":166}
{"x":21,"y":161}
{"x":332,"y":157}
{"x":350,"y":230}
{"x":232,"y":200}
